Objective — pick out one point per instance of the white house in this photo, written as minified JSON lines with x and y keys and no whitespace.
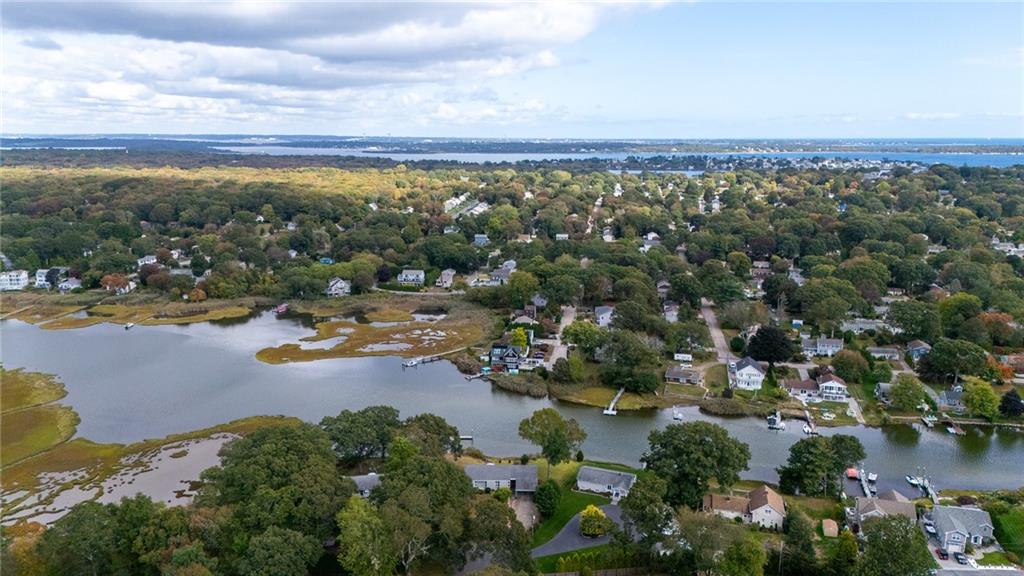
{"x":519,"y":478}
{"x":338,"y":287}
{"x":147,"y":259}
{"x":821,"y":346}
{"x":481,"y":240}
{"x":956,"y":526}
{"x":767,"y":509}
{"x":446,"y":278}
{"x":13,"y":280}
{"x":749,"y":374}
{"x":604,"y":315}
{"x":41,"y":282}
{"x":411,"y":278}
{"x":602,"y":481}
{"x":832,"y":387}
{"x":561,"y":236}
{"x":885,"y":352}
{"x":68,"y":285}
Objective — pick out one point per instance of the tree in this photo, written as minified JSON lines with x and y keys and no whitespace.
{"x":521,"y":287}
{"x":850,"y":366}
{"x":593,"y":522}
{"x":493,"y":529}
{"x":843,"y":557}
{"x":113,"y":282}
{"x":686,"y":288}
{"x":432,"y":434}
{"x":744,"y":558}
{"x":958,"y":309}
{"x":687,"y":456}
{"x":1011,"y":405}
{"x":702,"y":541}
{"x":547,"y":497}
{"x":798,"y":552}
{"x":907,"y":392}
{"x":407,"y":520}
{"x":916,"y":319}
{"x":980,"y":399}
{"x":645,"y":509}
{"x":955,"y":357}
{"x":894,"y":545}
{"x":586,"y":335}
{"x":815,"y":465}
{"x":365,"y":547}
{"x":557,"y":437}
{"x":518,"y":337}
{"x":771,"y":344}
{"x":363,"y":434}
{"x":80,"y":542}
{"x":281,"y":552}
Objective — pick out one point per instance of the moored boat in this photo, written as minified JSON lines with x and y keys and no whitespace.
{"x":913,"y":481}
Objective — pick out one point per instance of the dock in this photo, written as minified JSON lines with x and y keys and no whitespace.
{"x":862,"y":477}
{"x":610,"y":410}
{"x":811,"y":427}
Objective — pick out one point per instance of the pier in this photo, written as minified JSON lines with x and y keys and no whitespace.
{"x":610,"y":410}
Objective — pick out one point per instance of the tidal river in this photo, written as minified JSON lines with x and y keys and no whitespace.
{"x":152,"y":381}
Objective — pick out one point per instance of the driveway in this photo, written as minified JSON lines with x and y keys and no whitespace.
{"x":560,"y":350}
{"x":717,"y":337}
{"x":526,"y":511}
{"x":570,"y":539}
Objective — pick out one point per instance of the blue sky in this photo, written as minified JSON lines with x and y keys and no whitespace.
{"x":693,"y":70}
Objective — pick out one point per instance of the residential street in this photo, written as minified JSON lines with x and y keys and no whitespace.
{"x":560,"y":350}
{"x":570,"y":539}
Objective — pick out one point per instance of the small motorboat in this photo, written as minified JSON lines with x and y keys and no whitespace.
{"x":281,"y":308}
{"x":808,"y":429}
{"x":913,"y":481}
{"x":411,"y":362}
{"x":872,"y":477}
{"x":930,"y":528}
{"x":676,"y":414}
{"x":129,"y":325}
{"x":775,"y":421}
{"x":873,"y":490}
{"x":852,"y":473}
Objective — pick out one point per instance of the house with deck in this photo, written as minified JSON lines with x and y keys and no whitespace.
{"x":958,"y":526}
{"x":338,"y":287}
{"x":519,"y":478}
{"x":507,"y":358}
{"x":749,"y":374}
{"x":410,"y":277}
{"x":601,"y":481}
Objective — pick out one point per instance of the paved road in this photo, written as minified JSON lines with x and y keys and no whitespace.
{"x":717,"y":337}
{"x":570,"y":539}
{"x":561,"y":350}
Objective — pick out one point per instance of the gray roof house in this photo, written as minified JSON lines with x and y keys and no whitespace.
{"x":952,"y":397}
{"x":890,"y":503}
{"x":412,"y":278}
{"x":518,"y":478}
{"x":603,"y":481}
{"x":956,"y":526}
{"x":366,"y":483}
{"x":683,"y":375}
{"x":885,"y":352}
{"x":604,"y":315}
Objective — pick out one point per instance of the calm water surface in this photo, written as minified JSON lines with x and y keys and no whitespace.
{"x":152,"y":381}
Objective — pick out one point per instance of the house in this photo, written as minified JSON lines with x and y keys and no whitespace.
{"x":798,"y":388}
{"x":446,"y":278}
{"x":501,"y":276}
{"x":41,"y":282}
{"x":481,"y":240}
{"x":728,"y":507}
{"x":69,"y":285}
{"x":506,"y":358}
{"x":539,"y":300}
{"x":147,"y":259}
{"x":885,"y":352}
{"x":519,"y":478}
{"x":326,"y":261}
{"x":952,"y":398}
{"x":883,"y":391}
{"x":832,"y":387}
{"x":663,"y":286}
{"x":767,"y":509}
{"x":890,"y":503}
{"x":411,"y":278}
{"x":13,"y":280}
{"x":749,"y":374}
{"x":601,"y":481}
{"x":821,"y":346}
{"x":604,"y":315}
{"x":918,"y":349}
{"x":366,"y":483}
{"x":683,"y":375}
{"x":451,"y":230}
{"x":337,"y":287}
{"x":859,"y":325}
{"x":958,"y":526}
{"x":670,"y":312}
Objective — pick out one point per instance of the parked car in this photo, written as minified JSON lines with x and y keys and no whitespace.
{"x":942,"y":554}
{"x":961,"y":558}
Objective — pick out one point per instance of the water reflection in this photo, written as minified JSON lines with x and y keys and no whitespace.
{"x":907,"y":435}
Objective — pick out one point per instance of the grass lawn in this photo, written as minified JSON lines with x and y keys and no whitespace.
{"x":548,"y":564}
{"x":600,"y":396}
{"x":716,"y":377}
{"x":994,"y":559}
{"x":687,"y":390}
{"x":1010,"y":530}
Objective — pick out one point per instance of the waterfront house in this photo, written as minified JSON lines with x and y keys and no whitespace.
{"x":682,"y":375}
{"x":885,"y":352}
{"x":446,"y":278}
{"x":952,"y":398}
{"x":890,"y":503}
{"x":481,"y":240}
{"x":41,"y":282}
{"x":832,"y":387}
{"x":956,"y":526}
{"x":604,"y":314}
{"x":411,"y":277}
{"x":69,"y":285}
{"x":338,"y":287}
{"x":749,"y":374}
{"x":601,"y":481}
{"x":883,"y":391}
{"x":821,"y":346}
{"x":767,"y":509}
{"x":13,"y":280}
{"x":507,"y":358}
{"x":798,"y":388}
{"x":366,"y":483}
{"x":519,"y":478}
{"x":918,"y":349}
{"x":728,"y":507}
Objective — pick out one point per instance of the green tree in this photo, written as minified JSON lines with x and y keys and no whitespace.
{"x":958,"y":309}
{"x":850,"y":366}
{"x":547,"y":498}
{"x":687,"y":456}
{"x":80,"y":542}
{"x":557,"y":437}
{"x":815,"y":465}
{"x":686,"y":288}
{"x":365,"y":547}
{"x":521,"y":287}
{"x":771,"y":344}
{"x":281,"y":552}
{"x":518,"y":337}
{"x":917,"y":320}
{"x":956,"y":358}
{"x":1010,"y":405}
{"x":907,"y":392}
{"x":744,"y":558}
{"x":407,"y":519}
{"x":585,"y":335}
{"x":432,"y":435}
{"x":894,"y":545}
{"x":798,"y":552}
{"x":363,"y":434}
{"x":980,"y":399}
{"x":493,"y":529}
{"x":645,"y":508}
{"x":843,"y":557}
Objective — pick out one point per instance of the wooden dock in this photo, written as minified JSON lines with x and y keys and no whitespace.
{"x":610,"y":410}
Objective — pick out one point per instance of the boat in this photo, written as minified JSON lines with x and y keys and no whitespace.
{"x":873,"y":490}
{"x":281,"y":308}
{"x":913,"y":481}
{"x":872,"y":477}
{"x":775,"y":421}
{"x":129,"y":325}
{"x":676,"y":414}
{"x":852,"y":474}
{"x":950,"y":430}
{"x":808,"y":429}
{"x":411,"y":362}
{"x":929,"y":421}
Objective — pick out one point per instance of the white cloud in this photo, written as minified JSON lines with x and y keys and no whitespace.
{"x":932,"y":115}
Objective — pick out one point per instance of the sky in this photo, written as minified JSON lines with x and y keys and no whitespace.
{"x":515,"y":70}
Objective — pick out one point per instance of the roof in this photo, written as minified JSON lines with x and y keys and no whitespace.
{"x":894,"y":496}
{"x":680,"y":372}
{"x":827,"y":378}
{"x":366,"y":482}
{"x":960,"y":519}
{"x":724,"y":503}
{"x":412,"y":272}
{"x":764,"y":496}
{"x":918,"y":344}
{"x":885,"y":507}
{"x":613,"y":478}
{"x":884,"y":349}
{"x":602,"y":310}
{"x":797,"y":384}
{"x":749,"y":362}
{"x":525,"y":475}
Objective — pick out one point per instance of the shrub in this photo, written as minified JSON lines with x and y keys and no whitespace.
{"x":593,"y":522}
{"x":502,"y":494}
{"x":737,"y":344}
{"x":524,"y":459}
{"x":579,"y":455}
{"x":547,"y":498}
